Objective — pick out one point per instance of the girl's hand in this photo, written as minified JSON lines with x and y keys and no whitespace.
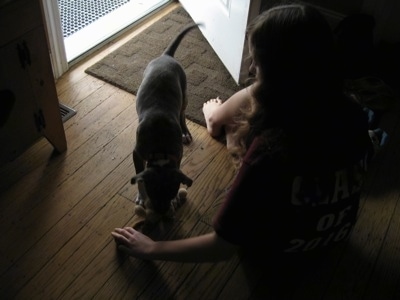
{"x":132,"y":242}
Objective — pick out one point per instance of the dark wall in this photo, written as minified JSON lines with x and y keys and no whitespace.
{"x":344,"y":7}
{"x":341,"y":6}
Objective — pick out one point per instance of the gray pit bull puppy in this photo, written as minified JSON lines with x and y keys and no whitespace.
{"x":160,"y":104}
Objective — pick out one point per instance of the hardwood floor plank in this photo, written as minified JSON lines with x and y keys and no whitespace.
{"x":57,"y":212}
{"x":169,"y":275}
{"x":41,"y":152}
{"x":95,"y":134}
{"x":79,"y":252}
{"x":358,"y":263}
{"x":207,"y":280}
{"x":82,"y":89}
{"x":34,"y":157}
{"x":55,"y":218}
{"x":384,"y":280}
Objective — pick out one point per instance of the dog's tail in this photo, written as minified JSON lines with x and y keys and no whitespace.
{"x":176,"y":41}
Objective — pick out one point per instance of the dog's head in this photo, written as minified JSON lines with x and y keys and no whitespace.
{"x":161,"y":185}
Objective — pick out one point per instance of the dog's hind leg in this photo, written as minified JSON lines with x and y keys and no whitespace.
{"x":139,"y":167}
{"x":186,"y":135}
{"x":138,"y":162}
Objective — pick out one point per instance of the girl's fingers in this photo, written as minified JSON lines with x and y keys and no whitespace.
{"x":130,"y":230}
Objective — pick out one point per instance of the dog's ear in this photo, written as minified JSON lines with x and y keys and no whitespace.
{"x":142,"y":176}
{"x":137,"y":178}
{"x":185,"y":180}
{"x":141,"y":186}
{"x":142,"y":189}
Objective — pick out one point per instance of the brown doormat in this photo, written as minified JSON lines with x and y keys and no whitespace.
{"x":206,"y":75}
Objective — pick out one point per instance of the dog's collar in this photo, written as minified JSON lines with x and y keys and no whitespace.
{"x":161,"y":160}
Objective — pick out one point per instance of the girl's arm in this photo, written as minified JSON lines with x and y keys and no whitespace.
{"x":204,"y":248}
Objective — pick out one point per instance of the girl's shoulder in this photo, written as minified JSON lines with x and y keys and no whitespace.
{"x":267,"y":147}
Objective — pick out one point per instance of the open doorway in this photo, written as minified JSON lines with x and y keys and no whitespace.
{"x":88,"y":23}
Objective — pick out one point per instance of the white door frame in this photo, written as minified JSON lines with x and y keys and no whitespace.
{"x":58,"y":56}
{"x":225,"y":23}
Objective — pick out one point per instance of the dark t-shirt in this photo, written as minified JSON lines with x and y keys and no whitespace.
{"x":301,"y":201}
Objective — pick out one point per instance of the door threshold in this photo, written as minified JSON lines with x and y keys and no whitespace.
{"x":95,"y":34}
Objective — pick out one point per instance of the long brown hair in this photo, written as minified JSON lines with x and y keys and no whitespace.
{"x":297,"y":75}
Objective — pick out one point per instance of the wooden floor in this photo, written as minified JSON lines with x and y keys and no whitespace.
{"x":57,"y":213}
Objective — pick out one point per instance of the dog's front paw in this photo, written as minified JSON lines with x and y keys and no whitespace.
{"x":144,"y":226}
{"x":139,"y":200}
{"x":152,"y":216}
{"x":140,"y":211}
{"x":186,"y":138}
{"x":177,"y":202}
